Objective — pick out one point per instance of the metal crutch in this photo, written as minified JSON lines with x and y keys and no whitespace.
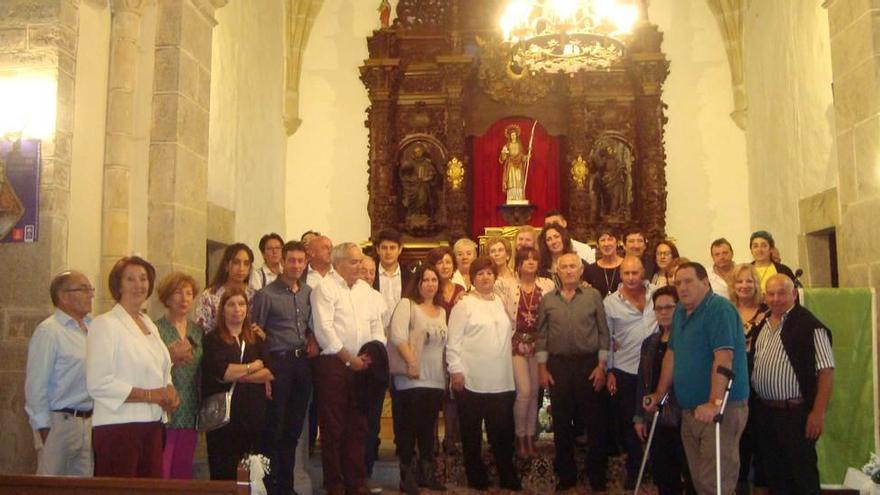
{"x":728,"y":373}
{"x":650,"y":439}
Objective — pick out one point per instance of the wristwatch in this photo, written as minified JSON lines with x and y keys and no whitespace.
{"x":718,"y":402}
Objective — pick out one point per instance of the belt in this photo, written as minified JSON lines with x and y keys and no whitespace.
{"x":783,"y":404}
{"x":294,"y":353}
{"x":75,"y":413}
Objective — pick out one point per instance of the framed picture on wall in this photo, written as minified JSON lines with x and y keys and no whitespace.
{"x":19,"y":190}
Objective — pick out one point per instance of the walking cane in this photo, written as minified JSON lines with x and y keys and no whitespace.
{"x":650,"y":439}
{"x":728,"y":373}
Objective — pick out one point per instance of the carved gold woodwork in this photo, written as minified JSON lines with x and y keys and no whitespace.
{"x":438,"y":75}
{"x":455,"y":174}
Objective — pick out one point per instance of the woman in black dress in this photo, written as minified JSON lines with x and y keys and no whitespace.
{"x":234,"y":354}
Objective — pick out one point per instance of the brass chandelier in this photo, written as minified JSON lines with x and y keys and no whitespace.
{"x":566,"y":36}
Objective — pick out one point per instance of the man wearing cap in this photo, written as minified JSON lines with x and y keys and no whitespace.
{"x":762,"y":245}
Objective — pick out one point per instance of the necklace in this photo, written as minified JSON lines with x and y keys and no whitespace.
{"x":608,"y":283}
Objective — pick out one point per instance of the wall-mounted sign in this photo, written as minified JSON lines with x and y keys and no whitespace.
{"x":19,"y":190}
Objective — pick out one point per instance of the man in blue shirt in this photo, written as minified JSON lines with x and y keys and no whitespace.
{"x":56,"y":400}
{"x":707,"y":334}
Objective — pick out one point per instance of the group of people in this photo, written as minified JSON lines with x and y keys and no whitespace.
{"x":611,"y":335}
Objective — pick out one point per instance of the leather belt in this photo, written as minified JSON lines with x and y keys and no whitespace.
{"x":293,"y":353}
{"x":75,"y":413}
{"x":783,"y":404}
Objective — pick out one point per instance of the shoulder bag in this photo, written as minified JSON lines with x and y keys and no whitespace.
{"x":215,"y":410}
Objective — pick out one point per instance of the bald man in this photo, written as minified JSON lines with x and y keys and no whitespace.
{"x":630,"y":315}
{"x":319,"y":248}
{"x":792,"y":377}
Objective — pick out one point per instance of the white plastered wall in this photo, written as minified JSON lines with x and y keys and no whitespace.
{"x":706,"y":173}
{"x":247,"y":141}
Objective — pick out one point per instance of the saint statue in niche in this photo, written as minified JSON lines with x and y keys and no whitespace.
{"x":418,"y":179}
{"x":514,"y":158}
{"x":611,"y":181}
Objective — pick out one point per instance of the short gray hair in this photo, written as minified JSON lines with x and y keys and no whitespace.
{"x":340,"y":252}
{"x":464,"y":242}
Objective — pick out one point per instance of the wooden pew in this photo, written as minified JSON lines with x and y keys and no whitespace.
{"x":68,"y":485}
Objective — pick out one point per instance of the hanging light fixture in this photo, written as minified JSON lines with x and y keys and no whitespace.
{"x":566,"y":35}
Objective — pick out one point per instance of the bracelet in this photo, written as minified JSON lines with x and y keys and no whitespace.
{"x":248,"y":369}
{"x":148,"y":396}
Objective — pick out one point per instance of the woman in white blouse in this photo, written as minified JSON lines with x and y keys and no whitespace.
{"x":418,"y":331}
{"x":128,"y":374}
{"x":478,"y":353}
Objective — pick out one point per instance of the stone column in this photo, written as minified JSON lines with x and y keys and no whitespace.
{"x":37,"y":39}
{"x":125,"y":30}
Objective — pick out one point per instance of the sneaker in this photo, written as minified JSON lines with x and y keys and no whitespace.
{"x":373,"y":486}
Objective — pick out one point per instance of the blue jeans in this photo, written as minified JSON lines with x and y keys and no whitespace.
{"x":285,"y":414}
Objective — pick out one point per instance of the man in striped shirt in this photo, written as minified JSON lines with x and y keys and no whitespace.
{"x":792,"y":377}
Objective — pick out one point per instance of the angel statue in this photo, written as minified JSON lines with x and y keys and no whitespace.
{"x":514,"y":158}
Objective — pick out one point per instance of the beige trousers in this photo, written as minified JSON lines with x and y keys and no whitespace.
{"x":68,"y":447}
{"x":699,"y":446}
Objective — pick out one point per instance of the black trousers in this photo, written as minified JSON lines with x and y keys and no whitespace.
{"x":668,"y":462}
{"x":497,"y":411}
{"x":285,"y":415}
{"x":571,"y":396}
{"x":419,"y":408}
{"x":788,"y":457}
{"x":622,"y":410}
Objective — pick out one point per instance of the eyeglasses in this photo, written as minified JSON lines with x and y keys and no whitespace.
{"x":665,"y":307}
{"x":81,"y":289}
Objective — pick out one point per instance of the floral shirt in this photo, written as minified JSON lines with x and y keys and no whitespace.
{"x":185,"y":378}
{"x":206,"y":307}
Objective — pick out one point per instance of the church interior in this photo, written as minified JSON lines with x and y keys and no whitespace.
{"x":173,"y":128}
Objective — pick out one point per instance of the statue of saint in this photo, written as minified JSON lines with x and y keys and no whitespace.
{"x":384,"y":13}
{"x":513,"y":158}
{"x":613,"y":181}
{"x":418,"y":178}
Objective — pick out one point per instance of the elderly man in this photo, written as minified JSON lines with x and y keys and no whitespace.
{"x":722,"y":265}
{"x":792,"y":377}
{"x":706,"y":335}
{"x":345,"y":317}
{"x":630,"y":315}
{"x":270,"y":248}
{"x":585,"y":252}
{"x":56,"y":400}
{"x":318,"y":252}
{"x":572,"y":345}
{"x":282,"y":310}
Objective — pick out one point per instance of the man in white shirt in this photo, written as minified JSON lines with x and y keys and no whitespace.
{"x":270,"y":248}
{"x":722,"y":265}
{"x":631,"y":319}
{"x":585,"y":252}
{"x":56,"y":399}
{"x":345,"y":318}
{"x":319,"y":260}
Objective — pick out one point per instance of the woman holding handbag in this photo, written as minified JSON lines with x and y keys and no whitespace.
{"x":418,"y":334}
{"x":233,"y":362}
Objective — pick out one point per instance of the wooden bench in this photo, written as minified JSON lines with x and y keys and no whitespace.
{"x":68,"y":485}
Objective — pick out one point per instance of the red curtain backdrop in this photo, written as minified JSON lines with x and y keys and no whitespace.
{"x":542,"y":188}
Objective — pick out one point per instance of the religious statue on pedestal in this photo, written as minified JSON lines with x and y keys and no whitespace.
{"x":515,"y":159}
{"x":612,"y":178}
{"x":418,"y":179}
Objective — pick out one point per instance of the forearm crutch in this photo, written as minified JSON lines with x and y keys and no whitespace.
{"x":650,"y":438}
{"x":728,"y":373}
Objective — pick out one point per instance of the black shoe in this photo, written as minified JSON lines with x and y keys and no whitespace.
{"x":563,"y":485}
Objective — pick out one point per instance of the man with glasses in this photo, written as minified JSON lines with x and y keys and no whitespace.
{"x":706,"y":335}
{"x":56,"y":399}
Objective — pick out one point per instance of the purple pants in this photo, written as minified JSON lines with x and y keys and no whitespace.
{"x":177,"y":458}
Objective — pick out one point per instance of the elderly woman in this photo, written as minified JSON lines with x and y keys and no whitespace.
{"x":669,"y":465}
{"x":128,"y":374}
{"x":465,"y":252}
{"x":522,"y":307}
{"x":234,"y":356}
{"x":744,"y":292}
{"x":479,"y":360}
{"x":233,"y":272}
{"x":666,"y":257}
{"x":184,"y":340}
{"x":418,"y":331}
{"x":499,"y":251}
